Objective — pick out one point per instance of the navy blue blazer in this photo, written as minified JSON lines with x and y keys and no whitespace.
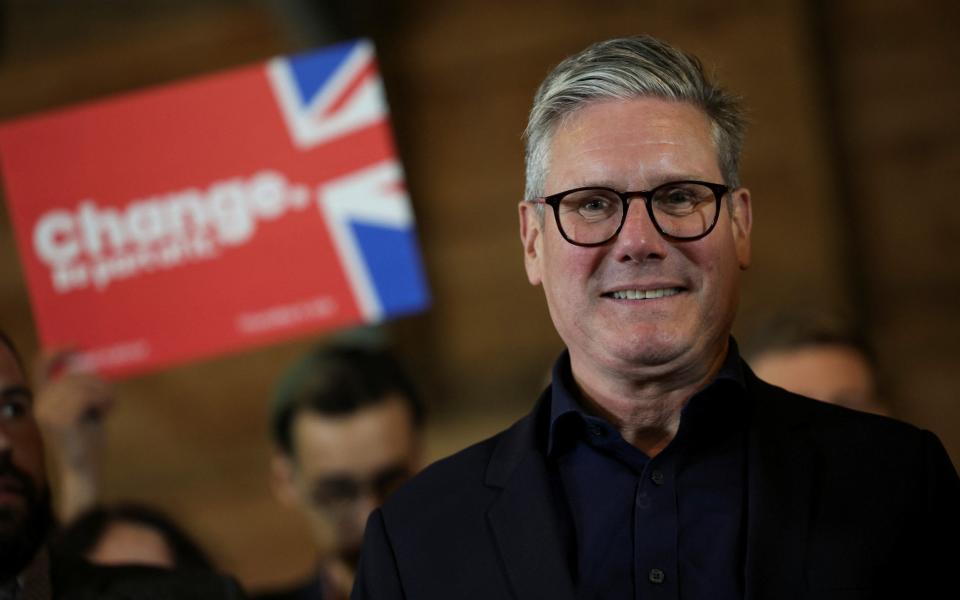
{"x":841,"y":504}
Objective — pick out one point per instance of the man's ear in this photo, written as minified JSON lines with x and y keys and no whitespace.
{"x":283,"y":479}
{"x":531,"y":227}
{"x":741,"y":222}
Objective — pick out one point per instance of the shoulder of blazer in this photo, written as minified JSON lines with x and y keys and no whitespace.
{"x":461,"y":478}
{"x":835,"y":430}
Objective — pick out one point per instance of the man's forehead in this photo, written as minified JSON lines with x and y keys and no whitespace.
{"x":602,"y":139}
{"x":372,"y":434}
{"x":390,"y":406}
{"x":656,"y":115}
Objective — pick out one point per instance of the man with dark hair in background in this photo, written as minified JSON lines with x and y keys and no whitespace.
{"x":657,"y":465}
{"x":346,"y":423}
{"x":28,"y":571}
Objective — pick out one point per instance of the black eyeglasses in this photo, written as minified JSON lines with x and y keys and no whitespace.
{"x":680,"y":211}
{"x":342,"y":491}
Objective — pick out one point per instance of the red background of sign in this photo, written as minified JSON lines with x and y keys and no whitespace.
{"x":181,"y":136}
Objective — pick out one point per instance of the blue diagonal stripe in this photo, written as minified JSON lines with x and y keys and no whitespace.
{"x":311,"y":70}
{"x":393,"y":261}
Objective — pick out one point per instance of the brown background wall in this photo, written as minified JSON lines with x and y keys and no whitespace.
{"x":853,"y":159}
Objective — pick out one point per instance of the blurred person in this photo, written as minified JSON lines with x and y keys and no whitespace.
{"x":346,"y":426}
{"x":71,"y":408}
{"x":131,"y":533}
{"x":28,"y":569}
{"x":657,"y":465}
{"x":818,"y":357}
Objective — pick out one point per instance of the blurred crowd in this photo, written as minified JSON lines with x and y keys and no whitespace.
{"x":346,"y":422}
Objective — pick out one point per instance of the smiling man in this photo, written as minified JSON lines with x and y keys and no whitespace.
{"x":657,"y":465}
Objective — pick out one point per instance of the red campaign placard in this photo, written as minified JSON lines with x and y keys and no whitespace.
{"x":213,"y":215}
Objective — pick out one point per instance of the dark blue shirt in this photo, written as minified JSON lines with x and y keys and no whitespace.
{"x":668,"y":527}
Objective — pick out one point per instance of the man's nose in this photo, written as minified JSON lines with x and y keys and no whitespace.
{"x":363,"y":506}
{"x":639,"y":239}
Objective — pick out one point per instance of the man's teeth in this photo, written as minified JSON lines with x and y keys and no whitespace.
{"x":644,"y":294}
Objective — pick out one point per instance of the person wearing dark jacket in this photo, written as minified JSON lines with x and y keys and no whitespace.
{"x":657,"y":465}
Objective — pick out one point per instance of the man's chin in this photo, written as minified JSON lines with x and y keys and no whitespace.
{"x":13,"y":515}
{"x":23,"y":530}
{"x":351,"y":557}
{"x":643,"y":348}
{"x":12,"y":507}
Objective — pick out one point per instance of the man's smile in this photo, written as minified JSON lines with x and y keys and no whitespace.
{"x":644,"y":293}
{"x":638,"y":294}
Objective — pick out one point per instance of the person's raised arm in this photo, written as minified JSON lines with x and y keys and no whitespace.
{"x":71,"y":408}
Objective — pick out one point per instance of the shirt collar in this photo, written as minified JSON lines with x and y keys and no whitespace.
{"x":732,"y":367}
{"x":564,"y":396}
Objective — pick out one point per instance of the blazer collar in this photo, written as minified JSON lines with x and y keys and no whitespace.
{"x":526,"y":516}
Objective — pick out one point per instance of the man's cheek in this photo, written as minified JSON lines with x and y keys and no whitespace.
{"x":324,"y":531}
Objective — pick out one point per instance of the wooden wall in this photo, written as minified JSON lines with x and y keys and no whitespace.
{"x":895,"y":88}
{"x":852,"y":158}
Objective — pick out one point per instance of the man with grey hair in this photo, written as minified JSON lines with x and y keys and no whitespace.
{"x":656,"y":465}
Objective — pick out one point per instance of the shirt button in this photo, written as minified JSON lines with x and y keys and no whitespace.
{"x":596,"y":430}
{"x":657,"y":476}
{"x":643,"y":500}
{"x":656,"y":576}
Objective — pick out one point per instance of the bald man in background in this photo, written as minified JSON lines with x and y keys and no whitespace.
{"x":819,"y":356}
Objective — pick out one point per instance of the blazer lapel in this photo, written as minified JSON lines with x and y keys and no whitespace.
{"x":780,"y":476}
{"x":525,"y":517}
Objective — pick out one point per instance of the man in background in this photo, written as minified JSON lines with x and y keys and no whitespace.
{"x":25,"y":511}
{"x":346,"y":424}
{"x":28,"y":571}
{"x":818,"y":356}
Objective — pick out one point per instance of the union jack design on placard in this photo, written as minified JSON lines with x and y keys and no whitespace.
{"x":269,"y":199}
{"x":369,"y":216}
{"x":328,"y":93}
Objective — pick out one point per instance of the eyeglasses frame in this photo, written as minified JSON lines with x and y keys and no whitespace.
{"x":719,"y":191}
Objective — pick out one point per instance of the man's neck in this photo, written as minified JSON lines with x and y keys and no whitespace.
{"x":336,"y":578}
{"x":644,"y":404}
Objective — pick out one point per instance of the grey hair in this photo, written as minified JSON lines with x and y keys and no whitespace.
{"x":626,"y":68}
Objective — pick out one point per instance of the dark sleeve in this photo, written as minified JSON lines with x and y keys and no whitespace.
{"x":943,"y":516}
{"x":377,"y":575}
